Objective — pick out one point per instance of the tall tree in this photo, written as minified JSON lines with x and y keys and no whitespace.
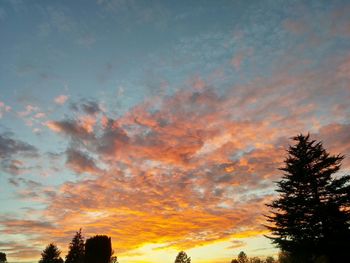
{"x":182,"y":258}
{"x":51,"y":254}
{"x":3,"y":257}
{"x":98,"y":249}
{"x":311,"y":217}
{"x":76,"y":251}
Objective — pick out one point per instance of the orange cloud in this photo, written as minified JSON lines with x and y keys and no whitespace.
{"x":188,"y":169}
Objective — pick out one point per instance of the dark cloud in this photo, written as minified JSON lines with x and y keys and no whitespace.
{"x":86,"y":106}
{"x":10,"y":147}
{"x":30,"y":184}
{"x":15,"y":249}
{"x":13,"y":225}
{"x":80,"y":162}
{"x":70,"y":128}
{"x":112,"y":140}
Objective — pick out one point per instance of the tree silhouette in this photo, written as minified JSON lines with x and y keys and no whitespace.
{"x":98,"y":249}
{"x":270,"y":260}
{"x":311,"y":216}
{"x":51,"y":254}
{"x":284,"y":257}
{"x":3,"y":257}
{"x":242,"y":257}
{"x":182,"y":258}
{"x":76,"y":251}
{"x":255,"y":260}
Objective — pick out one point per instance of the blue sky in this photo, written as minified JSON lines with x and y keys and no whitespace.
{"x":130,"y":100}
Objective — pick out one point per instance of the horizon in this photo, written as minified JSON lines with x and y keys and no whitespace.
{"x":161,"y":124}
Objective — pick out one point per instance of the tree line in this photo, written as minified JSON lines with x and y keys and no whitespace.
{"x":309,"y":221}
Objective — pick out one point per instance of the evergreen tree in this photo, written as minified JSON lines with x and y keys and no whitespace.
{"x":76,"y":251}
{"x":182,"y":258}
{"x":98,"y":249}
{"x":3,"y":257}
{"x":311,"y":217}
{"x":242,"y":257}
{"x":51,"y":254}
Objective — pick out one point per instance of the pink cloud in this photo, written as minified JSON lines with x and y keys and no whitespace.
{"x":61,"y":99}
{"x":4,"y":108}
{"x":28,"y":110}
{"x":39,"y":115}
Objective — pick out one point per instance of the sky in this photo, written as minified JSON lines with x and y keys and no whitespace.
{"x":161,"y":123}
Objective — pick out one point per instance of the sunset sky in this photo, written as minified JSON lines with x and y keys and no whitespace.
{"x":161,"y":123}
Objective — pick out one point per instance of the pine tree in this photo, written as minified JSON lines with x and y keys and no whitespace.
{"x":182,"y":258}
{"x":51,"y":254}
{"x":242,"y":257}
{"x":311,"y":217}
{"x":76,"y":251}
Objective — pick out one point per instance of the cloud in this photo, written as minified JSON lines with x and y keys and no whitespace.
{"x":17,"y":226}
{"x":237,"y":244}
{"x":10,"y":147}
{"x":79,"y":162}
{"x":195,"y":166}
{"x":85,"y":106}
{"x":336,"y":138}
{"x":18,"y":250}
{"x":61,"y":99}
{"x":28,"y":110}
{"x":188,"y":167}
{"x":71,"y":128}
{"x":4,"y":108}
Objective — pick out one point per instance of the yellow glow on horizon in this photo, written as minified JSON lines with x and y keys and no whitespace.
{"x":218,"y":251}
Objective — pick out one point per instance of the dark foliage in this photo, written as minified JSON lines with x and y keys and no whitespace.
{"x":182,"y":258}
{"x":51,"y":254}
{"x":311,"y":216}
{"x":76,"y":251}
{"x":98,"y":249}
{"x":3,"y":257}
{"x":113,"y":260}
{"x":243,"y":258}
